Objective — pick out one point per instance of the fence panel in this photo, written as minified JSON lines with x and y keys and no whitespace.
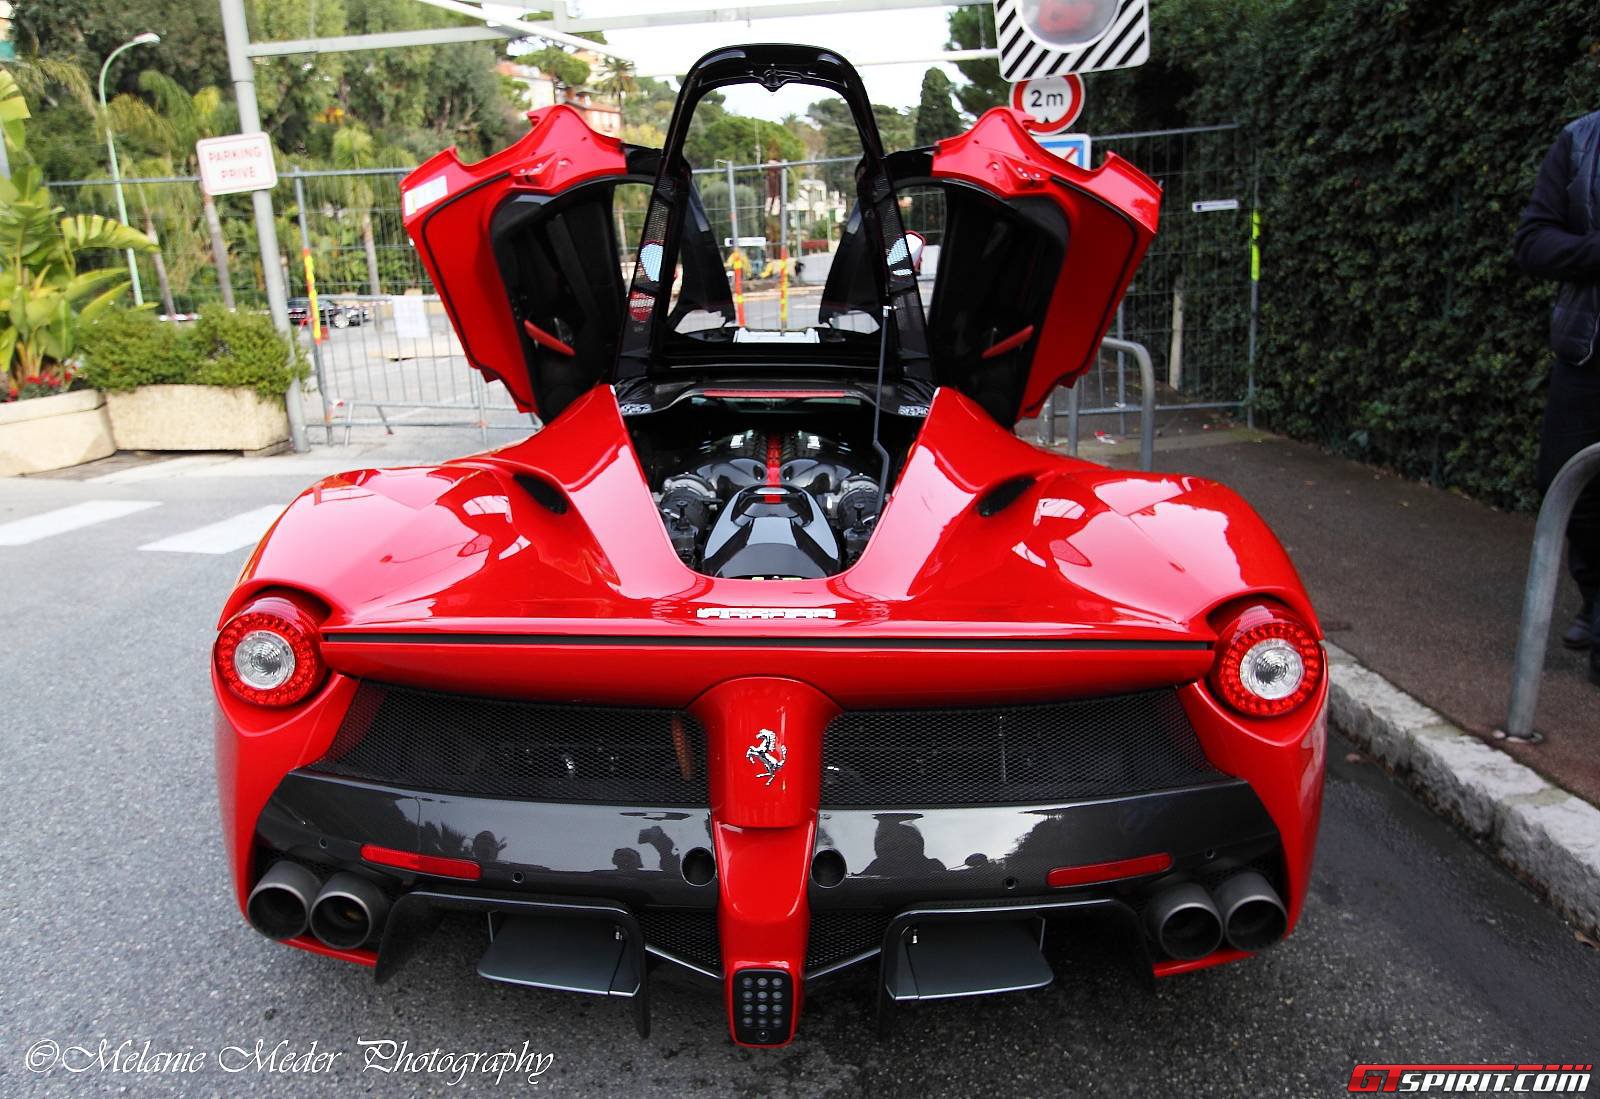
{"x":1190,"y":301}
{"x":778,"y":224}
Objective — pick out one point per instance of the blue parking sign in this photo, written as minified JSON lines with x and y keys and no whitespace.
{"x":1072,"y":148}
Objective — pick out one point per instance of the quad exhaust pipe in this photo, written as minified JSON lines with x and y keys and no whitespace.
{"x":1184,"y":922}
{"x":280,"y":905}
{"x":1253,"y":917}
{"x":345,"y":913}
{"x":348,"y":911}
{"x":1187,"y":922}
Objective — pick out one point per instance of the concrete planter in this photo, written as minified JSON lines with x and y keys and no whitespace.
{"x":53,"y":432}
{"x":196,"y":417}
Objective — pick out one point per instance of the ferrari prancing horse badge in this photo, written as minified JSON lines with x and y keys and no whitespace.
{"x":761,"y":754}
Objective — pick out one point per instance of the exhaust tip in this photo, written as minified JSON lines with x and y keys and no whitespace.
{"x":1184,"y":922}
{"x":279,"y":906}
{"x":1253,"y":915}
{"x":347,"y":911}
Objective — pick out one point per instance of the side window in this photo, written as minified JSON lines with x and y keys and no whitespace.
{"x":923,"y":211}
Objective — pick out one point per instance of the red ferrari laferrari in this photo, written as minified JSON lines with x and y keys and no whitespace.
{"x":774,"y":653}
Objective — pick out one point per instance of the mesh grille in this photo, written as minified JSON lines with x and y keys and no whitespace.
{"x":838,"y":935}
{"x":1009,"y":755}
{"x":493,"y":748}
{"x":687,"y":933}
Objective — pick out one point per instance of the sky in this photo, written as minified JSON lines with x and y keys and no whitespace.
{"x":860,"y":36}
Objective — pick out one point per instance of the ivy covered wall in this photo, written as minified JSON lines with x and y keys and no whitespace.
{"x":1397,"y":143}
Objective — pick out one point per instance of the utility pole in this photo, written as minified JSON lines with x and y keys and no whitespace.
{"x":236,"y":33}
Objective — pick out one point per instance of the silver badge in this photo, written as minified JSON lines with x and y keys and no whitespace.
{"x":761,"y":754}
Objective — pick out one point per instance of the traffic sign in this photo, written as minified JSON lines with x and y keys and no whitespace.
{"x":1072,"y":148}
{"x":1052,"y":103}
{"x":1050,"y":37}
{"x":236,"y":163}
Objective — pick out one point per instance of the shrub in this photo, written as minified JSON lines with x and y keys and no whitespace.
{"x":127,"y":350}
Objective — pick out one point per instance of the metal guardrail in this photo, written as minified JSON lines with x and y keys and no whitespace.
{"x":1147,"y":406}
{"x":1544,"y":572}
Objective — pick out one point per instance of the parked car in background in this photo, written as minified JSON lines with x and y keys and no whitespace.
{"x":334,"y":314}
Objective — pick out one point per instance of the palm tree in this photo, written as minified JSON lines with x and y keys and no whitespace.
{"x":618,"y":81}
{"x":353,"y":150}
{"x":178,"y":122}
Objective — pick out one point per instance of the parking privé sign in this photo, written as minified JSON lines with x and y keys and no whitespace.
{"x":238,"y":162}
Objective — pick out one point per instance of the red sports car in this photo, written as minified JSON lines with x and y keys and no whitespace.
{"x":774,"y":653}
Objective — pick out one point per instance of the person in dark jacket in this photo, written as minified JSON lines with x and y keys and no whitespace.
{"x":1559,"y":238}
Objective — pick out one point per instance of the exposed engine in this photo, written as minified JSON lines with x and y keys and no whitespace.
{"x":771,"y":506}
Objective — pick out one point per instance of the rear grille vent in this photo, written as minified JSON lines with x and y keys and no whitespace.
{"x":1098,"y":747}
{"x":487,"y":747}
{"x":686,"y":933}
{"x":840,"y":935}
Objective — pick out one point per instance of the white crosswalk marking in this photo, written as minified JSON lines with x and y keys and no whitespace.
{"x":223,"y":537}
{"x":19,"y":532}
{"x":165,"y":469}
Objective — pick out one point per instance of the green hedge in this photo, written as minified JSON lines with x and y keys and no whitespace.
{"x":1398,"y":142}
{"x":130,"y":349}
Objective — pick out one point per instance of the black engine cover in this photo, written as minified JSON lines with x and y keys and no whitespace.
{"x":771,"y":532}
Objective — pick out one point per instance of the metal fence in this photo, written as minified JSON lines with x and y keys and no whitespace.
{"x":778,"y":222}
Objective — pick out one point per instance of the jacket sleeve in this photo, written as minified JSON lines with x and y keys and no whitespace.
{"x":1545,"y":244}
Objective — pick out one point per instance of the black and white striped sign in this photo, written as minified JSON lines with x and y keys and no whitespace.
{"x":1050,"y":37}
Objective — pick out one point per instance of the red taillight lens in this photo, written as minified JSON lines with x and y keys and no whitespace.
{"x":267,"y":653}
{"x":1269,"y":663}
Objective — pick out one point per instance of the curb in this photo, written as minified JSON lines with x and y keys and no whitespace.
{"x":1548,"y":837}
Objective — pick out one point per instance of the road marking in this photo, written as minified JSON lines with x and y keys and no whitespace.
{"x":19,"y":532}
{"x":224,"y":537}
{"x":159,"y":471}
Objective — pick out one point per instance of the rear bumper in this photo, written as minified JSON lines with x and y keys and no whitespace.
{"x":869,"y":866}
{"x":761,"y":886}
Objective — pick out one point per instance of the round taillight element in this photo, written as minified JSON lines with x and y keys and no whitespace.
{"x":1269,"y":663}
{"x":267,"y":653}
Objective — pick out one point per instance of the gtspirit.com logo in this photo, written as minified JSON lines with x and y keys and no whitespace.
{"x":1472,"y":1079}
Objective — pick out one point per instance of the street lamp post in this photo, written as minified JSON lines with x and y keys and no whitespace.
{"x":149,"y":38}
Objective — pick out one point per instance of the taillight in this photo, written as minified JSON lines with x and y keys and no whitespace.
{"x":267,"y":653}
{"x":1269,"y":663}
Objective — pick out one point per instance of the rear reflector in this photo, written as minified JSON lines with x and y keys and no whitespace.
{"x":435,"y":865}
{"x":1095,"y":872}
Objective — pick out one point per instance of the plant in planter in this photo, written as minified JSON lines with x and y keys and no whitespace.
{"x":217,"y":384}
{"x":46,"y":301}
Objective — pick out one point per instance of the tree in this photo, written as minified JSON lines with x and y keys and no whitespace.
{"x":742,"y":140}
{"x":972,"y":28}
{"x":617,"y":81}
{"x":569,"y":70}
{"x":85,"y":31}
{"x":190,"y":119}
{"x":937,"y":117}
{"x":354,"y":149}
{"x":50,"y":299}
{"x":840,"y":138}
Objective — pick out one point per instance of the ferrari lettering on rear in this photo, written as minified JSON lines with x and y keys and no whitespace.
{"x":765,"y":613}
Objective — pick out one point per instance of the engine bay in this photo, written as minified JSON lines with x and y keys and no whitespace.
{"x":791,"y":494}
{"x":771,"y":506}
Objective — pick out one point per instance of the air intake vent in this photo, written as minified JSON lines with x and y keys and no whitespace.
{"x":486,"y":747}
{"x":1011,"y":754}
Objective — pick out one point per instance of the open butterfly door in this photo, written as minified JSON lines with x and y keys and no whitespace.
{"x":527,"y":249}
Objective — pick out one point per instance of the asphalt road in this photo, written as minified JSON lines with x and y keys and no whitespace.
{"x":118,"y":923}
